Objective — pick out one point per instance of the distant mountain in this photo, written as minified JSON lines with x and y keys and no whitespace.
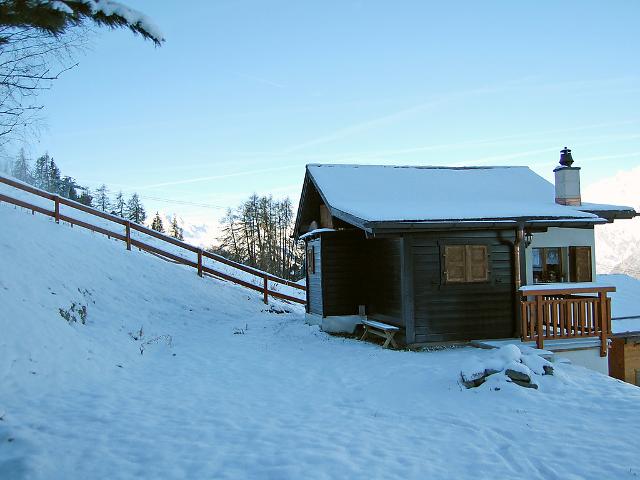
{"x":198,"y":231}
{"x":618,"y":244}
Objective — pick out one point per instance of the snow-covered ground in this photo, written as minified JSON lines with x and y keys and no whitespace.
{"x":227,"y":389}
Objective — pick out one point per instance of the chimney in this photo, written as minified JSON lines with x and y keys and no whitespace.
{"x":567,"y":180}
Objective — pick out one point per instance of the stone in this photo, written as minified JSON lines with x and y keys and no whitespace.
{"x":515,"y":375}
{"x":548,"y":370}
{"x":525,"y":384}
{"x":475,"y":382}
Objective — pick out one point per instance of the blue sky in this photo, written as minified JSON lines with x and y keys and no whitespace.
{"x":245,"y":93}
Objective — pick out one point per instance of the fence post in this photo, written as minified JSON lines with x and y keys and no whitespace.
{"x":604,"y":323}
{"x":265,"y":290}
{"x":127,"y":228}
{"x":56,"y":201}
{"x":200,"y":262}
{"x":540,"y":339}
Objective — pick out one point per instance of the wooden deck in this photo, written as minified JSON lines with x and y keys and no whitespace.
{"x":566,"y":311}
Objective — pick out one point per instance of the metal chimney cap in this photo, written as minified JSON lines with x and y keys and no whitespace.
{"x":566,"y":160}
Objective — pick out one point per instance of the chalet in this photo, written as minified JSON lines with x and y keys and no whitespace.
{"x":455,"y":253}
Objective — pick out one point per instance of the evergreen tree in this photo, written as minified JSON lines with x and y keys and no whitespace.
{"x":101,"y":198}
{"x":157,"y":224}
{"x":175,"y":230}
{"x":68,"y":188}
{"x":134,"y":210}
{"x":53,"y":182}
{"x":86,"y":198}
{"x":20,"y":169}
{"x":119,"y":206}
{"x":41,"y":172}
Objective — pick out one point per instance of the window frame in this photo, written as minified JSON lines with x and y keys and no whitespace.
{"x":311,"y":259}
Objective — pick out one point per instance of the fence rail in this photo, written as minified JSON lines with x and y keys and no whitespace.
{"x":199,"y":254}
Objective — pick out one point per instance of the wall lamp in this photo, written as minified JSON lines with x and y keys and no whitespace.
{"x":528,"y":238}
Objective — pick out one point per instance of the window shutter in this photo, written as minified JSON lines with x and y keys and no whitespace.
{"x":477,"y":263}
{"x":454,"y":263}
{"x":580,"y":264}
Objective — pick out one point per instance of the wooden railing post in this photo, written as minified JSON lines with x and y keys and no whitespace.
{"x":265,"y":290}
{"x":56,"y":201}
{"x":540,"y":339}
{"x":200,"y":262}
{"x":604,"y":323}
{"x":127,"y":227}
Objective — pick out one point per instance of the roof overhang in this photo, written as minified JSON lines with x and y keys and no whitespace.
{"x":611,"y":215}
{"x":476,"y":224}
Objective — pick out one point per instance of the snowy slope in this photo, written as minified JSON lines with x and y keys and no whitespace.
{"x":243,"y":393}
{"x":149,"y":240}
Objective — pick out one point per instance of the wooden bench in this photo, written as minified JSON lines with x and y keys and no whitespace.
{"x":382,"y":330}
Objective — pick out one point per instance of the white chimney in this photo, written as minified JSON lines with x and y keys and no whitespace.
{"x":567,"y":180}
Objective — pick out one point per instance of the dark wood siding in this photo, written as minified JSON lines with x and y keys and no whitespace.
{"x":314,"y":280}
{"x":383,"y":263}
{"x":342,"y":272}
{"x":466,"y":311}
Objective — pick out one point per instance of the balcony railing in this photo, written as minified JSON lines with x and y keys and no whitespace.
{"x":566,"y":310}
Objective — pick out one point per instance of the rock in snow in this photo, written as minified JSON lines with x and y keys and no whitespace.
{"x":519,"y":368}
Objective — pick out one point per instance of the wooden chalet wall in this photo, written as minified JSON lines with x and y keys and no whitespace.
{"x":343,"y":268}
{"x":462,"y":311}
{"x":384,"y":280}
{"x":624,"y":358}
{"x":401,"y":281}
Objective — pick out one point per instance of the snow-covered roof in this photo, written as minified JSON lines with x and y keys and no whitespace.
{"x":383,"y":193}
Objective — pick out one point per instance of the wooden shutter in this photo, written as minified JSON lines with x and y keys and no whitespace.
{"x":580,"y":261}
{"x":477,"y":263}
{"x":454,"y":264}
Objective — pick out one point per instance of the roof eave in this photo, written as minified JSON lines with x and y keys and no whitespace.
{"x":470,"y":224}
{"x":611,"y":215}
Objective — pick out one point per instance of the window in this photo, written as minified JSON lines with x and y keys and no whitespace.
{"x":311,"y":259}
{"x":562,"y":264}
{"x":548,"y":265}
{"x":466,"y":263}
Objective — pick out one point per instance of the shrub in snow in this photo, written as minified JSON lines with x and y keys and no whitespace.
{"x":75,"y":313}
{"x":519,"y":368}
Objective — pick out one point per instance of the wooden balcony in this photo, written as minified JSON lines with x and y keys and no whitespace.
{"x":566,"y":310}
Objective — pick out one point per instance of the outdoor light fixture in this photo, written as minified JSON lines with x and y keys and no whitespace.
{"x":528,"y":237}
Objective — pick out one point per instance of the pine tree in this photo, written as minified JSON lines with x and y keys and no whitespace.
{"x":119,"y":206}
{"x":68,"y":188}
{"x":175,"y":230}
{"x":101,"y":198}
{"x":53,"y":181}
{"x":157,"y":224}
{"x":41,"y":172}
{"x":134,"y":210}
{"x":20,"y":168}
{"x":86,"y":197}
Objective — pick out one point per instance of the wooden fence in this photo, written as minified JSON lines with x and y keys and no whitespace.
{"x":125,"y":236}
{"x":549,"y":314}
